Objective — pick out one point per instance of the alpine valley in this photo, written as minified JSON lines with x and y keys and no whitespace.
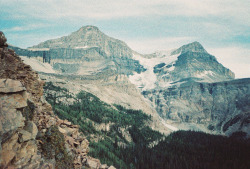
{"x":142,"y":111}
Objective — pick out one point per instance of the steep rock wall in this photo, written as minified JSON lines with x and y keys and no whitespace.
{"x":223,"y":107}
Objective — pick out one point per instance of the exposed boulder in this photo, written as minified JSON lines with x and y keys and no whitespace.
{"x":31,"y":128}
{"x":93,"y":163}
{"x":11,"y":86}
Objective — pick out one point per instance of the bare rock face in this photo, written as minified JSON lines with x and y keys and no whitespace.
{"x":221,"y":107}
{"x":10,"y":86}
{"x":31,"y":136}
{"x":11,"y":99}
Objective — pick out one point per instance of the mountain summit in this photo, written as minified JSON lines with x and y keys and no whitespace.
{"x":88,"y":51}
{"x":89,"y":37}
{"x":191,"y":47}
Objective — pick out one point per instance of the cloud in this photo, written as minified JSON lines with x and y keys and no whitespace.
{"x":100,"y":9}
{"x":235,"y":58}
{"x":26,"y":27}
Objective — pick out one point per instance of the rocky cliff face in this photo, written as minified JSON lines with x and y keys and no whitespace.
{"x":31,"y":136}
{"x":222,"y":107}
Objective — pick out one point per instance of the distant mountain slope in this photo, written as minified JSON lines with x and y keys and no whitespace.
{"x":89,"y":37}
{"x":87,"y":51}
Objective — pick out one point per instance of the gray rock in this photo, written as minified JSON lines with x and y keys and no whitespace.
{"x":11,"y":86}
{"x":32,"y":128}
{"x":11,"y":119}
{"x":13,"y":100}
{"x":24,"y":136}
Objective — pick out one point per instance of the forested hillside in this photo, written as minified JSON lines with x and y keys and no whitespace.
{"x":113,"y":130}
{"x":128,"y":142}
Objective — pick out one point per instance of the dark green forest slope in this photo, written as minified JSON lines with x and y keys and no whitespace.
{"x":179,"y":150}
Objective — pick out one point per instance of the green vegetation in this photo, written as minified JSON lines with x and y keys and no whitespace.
{"x":88,"y":111}
{"x":182,"y":149}
{"x":53,"y":148}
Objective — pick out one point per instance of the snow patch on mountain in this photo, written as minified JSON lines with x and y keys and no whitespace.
{"x":85,"y":47}
{"x":205,"y":74}
{"x":38,"y":65}
{"x":38,"y":49}
{"x":147,"y":80}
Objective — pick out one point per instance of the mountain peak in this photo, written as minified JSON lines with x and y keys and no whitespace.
{"x":87,"y":38}
{"x":191,"y":47}
{"x":88,"y":28}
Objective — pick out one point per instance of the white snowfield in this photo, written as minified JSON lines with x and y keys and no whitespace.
{"x":38,"y":65}
{"x":84,"y":47}
{"x":205,"y":74}
{"x":147,"y":80}
{"x":38,"y":49}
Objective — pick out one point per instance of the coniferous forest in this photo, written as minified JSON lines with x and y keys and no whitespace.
{"x":179,"y":150}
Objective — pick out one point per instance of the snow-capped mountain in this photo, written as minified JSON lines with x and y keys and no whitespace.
{"x":190,"y":62}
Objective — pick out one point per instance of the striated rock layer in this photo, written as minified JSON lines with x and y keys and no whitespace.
{"x":31,"y":136}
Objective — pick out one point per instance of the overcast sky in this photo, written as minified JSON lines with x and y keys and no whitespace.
{"x":221,"y":26}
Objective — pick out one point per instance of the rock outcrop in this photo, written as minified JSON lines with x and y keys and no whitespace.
{"x":31,"y":136}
